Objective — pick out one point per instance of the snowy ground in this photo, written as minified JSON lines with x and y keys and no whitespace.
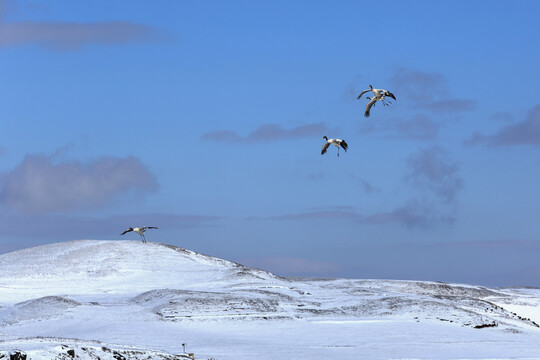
{"x":109,"y":299}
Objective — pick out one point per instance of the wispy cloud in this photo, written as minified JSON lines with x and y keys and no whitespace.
{"x":3,"y":6}
{"x":8,"y":7}
{"x":365,"y":185}
{"x":433,"y":169}
{"x":418,"y":85}
{"x":405,"y":215}
{"x":412,"y":214}
{"x":368,"y":187}
{"x":74,"y":35}
{"x":41,"y":184}
{"x":427,"y":91}
{"x":526,"y":132}
{"x":502,"y":116}
{"x":433,"y":174}
{"x":451,"y":105}
{"x":419,"y":127}
{"x":268,"y":133}
{"x":61,"y":227}
{"x":333,"y":208}
{"x":330,"y":214}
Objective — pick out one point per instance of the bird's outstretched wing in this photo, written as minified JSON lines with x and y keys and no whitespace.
{"x":362,"y":93}
{"x":344,"y":145}
{"x":369,"y":105}
{"x":149,"y":227}
{"x":128,"y":230}
{"x":324,"y":148}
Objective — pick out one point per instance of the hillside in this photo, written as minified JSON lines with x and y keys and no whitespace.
{"x":129,"y":295}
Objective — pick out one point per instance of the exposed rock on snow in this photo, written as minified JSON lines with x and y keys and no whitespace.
{"x":66,"y":349}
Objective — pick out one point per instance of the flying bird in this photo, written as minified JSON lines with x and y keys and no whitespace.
{"x":336,"y":142}
{"x":139,"y":230}
{"x":373,"y":101}
{"x":378,"y":95}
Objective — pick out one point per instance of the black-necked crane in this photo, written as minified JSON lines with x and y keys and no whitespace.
{"x":139,"y":230}
{"x":378,"y":95}
{"x":336,"y":142}
{"x":372,"y":101}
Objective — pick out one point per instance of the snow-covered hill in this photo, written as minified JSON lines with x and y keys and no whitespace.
{"x":140,"y":300}
{"x":119,"y":267}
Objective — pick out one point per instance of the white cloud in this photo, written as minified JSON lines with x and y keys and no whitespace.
{"x":40,"y":184}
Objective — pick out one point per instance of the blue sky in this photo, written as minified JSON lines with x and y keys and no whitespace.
{"x":206,"y":119}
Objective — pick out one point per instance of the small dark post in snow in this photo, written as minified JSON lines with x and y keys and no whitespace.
{"x":184,"y":346}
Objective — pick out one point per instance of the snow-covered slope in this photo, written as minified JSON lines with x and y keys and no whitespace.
{"x":147,"y":299}
{"x":118,"y":267}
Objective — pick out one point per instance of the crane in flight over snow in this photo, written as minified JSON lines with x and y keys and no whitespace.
{"x":378,"y":95}
{"x":139,"y":230}
{"x":336,"y":142}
